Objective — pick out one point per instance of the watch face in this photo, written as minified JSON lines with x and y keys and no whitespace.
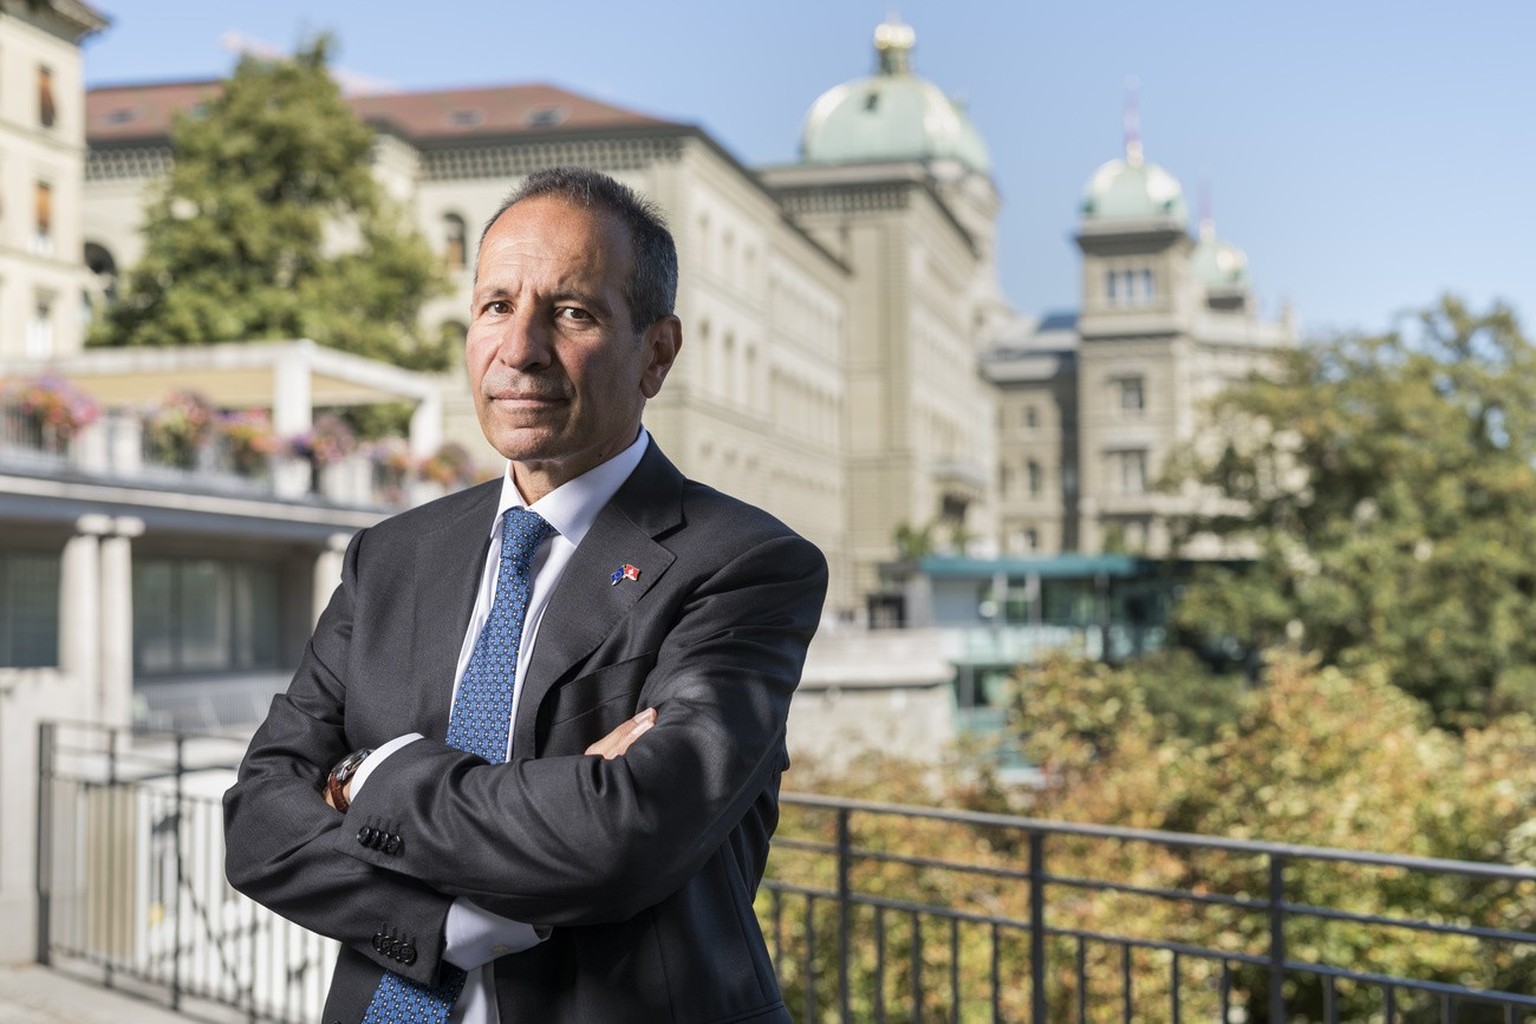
{"x":348,"y":765}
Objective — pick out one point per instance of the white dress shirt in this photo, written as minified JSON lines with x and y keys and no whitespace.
{"x":475,"y":936}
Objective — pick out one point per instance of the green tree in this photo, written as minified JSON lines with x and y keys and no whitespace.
{"x":271,"y":225}
{"x":1388,"y":485}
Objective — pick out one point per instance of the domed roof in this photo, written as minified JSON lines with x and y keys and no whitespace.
{"x":1217,"y":264}
{"x":890,"y":115}
{"x":1133,"y":188}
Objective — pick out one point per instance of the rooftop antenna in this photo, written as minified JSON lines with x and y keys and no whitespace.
{"x":1207,"y":222}
{"x":1133,"y":154}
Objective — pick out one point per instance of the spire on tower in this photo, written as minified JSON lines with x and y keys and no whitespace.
{"x":893,"y":45}
{"x":1133,"y":154}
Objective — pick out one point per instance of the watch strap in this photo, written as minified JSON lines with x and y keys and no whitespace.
{"x":341,"y":774}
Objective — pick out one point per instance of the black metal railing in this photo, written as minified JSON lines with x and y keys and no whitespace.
{"x":130,"y":879}
{"x":873,"y":912}
{"x":878,"y":912}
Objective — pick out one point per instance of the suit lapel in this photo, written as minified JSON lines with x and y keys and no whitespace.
{"x":449,"y":562}
{"x":586,"y":604}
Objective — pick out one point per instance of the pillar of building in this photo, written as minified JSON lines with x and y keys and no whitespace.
{"x":427,"y":426}
{"x":114,"y":687}
{"x":80,"y":603}
{"x":29,"y":697}
{"x":328,"y":570}
{"x":292,"y":393}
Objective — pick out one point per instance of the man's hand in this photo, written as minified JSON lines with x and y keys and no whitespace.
{"x":617,"y":742}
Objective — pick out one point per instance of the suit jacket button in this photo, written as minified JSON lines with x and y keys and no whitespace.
{"x":392,"y":844}
{"x":364,"y":835}
{"x":408,"y":954}
{"x":378,"y":941}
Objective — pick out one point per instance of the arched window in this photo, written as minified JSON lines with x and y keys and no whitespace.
{"x":98,"y":259}
{"x":455,"y":242}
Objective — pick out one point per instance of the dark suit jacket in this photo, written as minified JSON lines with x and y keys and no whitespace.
{"x":646,"y":864}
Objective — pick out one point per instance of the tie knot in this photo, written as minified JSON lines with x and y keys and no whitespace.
{"x":522,"y":531}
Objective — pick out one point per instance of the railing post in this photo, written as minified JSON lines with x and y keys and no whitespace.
{"x":1037,"y":927}
{"x":109,"y":966}
{"x":44,"y":844}
{"x":844,"y":909}
{"x":1276,"y":938}
{"x":181,"y":770}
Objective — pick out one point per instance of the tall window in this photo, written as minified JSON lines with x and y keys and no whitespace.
{"x":40,"y":329}
{"x":455,"y":244}
{"x":1034,"y":475}
{"x":47,"y":111}
{"x":1130,"y":287}
{"x":204,"y":615}
{"x":29,"y":609}
{"x":98,"y":259}
{"x":42,"y":215}
{"x":1132,"y":395}
{"x":1128,"y":471}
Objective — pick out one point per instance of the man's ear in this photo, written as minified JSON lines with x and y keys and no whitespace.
{"x":661,"y":342}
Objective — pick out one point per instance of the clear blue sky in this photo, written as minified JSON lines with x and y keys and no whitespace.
{"x":1367,"y":156}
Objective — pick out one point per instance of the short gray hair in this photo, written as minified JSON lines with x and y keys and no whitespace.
{"x":651,"y":291}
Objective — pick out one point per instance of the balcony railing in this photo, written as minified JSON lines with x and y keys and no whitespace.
{"x":872,"y":912}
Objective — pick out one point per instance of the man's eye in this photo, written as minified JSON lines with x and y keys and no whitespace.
{"x":573,"y":313}
{"x":498,"y":307}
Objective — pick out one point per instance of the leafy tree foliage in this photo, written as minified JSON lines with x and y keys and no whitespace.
{"x":1315,"y":756}
{"x":271,"y":225}
{"x":1388,"y":484}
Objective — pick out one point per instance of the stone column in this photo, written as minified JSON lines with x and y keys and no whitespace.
{"x":31,"y":696}
{"x":80,"y":604}
{"x":427,"y":426}
{"x":114,"y":690}
{"x":328,"y":570}
{"x":292,"y":398}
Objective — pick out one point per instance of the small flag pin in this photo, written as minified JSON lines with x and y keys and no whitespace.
{"x":622,"y":573}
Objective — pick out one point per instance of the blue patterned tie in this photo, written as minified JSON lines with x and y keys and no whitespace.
{"x":482,"y":715}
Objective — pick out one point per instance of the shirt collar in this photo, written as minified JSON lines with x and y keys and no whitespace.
{"x":572,"y":507}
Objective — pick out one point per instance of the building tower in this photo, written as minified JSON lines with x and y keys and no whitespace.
{"x":895,"y":180}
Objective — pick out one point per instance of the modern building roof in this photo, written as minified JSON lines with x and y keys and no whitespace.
{"x":143,"y":112}
{"x":891,"y":115}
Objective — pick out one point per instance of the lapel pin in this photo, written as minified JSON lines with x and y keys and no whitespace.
{"x":622,"y":573}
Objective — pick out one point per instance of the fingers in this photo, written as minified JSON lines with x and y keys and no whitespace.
{"x":617,"y":742}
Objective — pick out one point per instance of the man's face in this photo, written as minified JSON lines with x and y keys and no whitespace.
{"x":558,"y":372}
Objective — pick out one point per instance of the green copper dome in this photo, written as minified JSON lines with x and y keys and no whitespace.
{"x":890,"y":115}
{"x":1133,"y":189}
{"x":1217,"y":264}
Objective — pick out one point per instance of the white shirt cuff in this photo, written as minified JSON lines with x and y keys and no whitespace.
{"x":376,"y":758}
{"x":474,"y":936}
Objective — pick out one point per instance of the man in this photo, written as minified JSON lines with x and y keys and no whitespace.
{"x":647,"y":602}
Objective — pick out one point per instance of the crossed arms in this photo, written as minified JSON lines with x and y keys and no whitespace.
{"x":568,"y":839}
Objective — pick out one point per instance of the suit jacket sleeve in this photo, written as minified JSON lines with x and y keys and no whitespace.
{"x":280,"y":834}
{"x":718,"y":646}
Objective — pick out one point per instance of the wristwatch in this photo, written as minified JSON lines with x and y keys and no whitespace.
{"x":341,"y":774}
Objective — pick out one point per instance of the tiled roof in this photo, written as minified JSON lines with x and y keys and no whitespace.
{"x":129,"y":112}
{"x":141,"y":111}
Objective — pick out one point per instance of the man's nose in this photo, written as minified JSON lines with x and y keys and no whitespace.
{"x":526,"y":341}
